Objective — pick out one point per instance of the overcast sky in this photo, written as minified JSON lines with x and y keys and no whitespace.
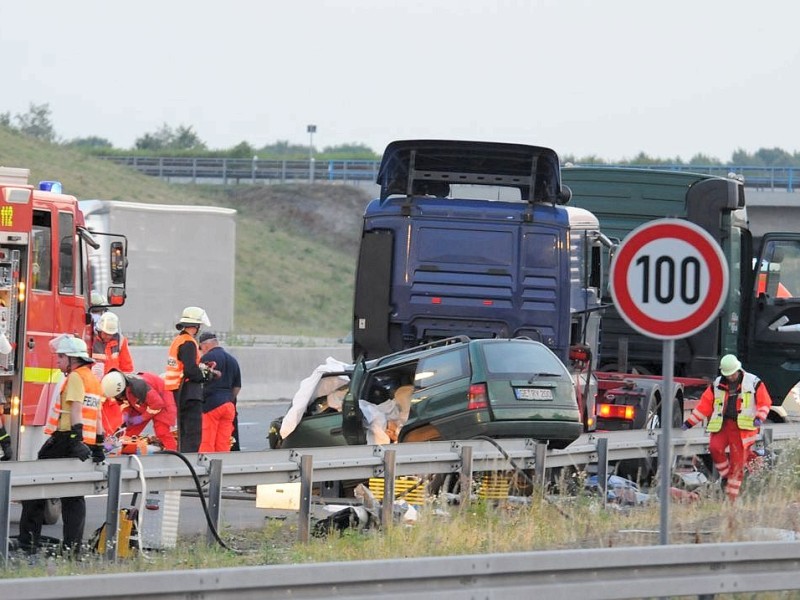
{"x":607,"y":78}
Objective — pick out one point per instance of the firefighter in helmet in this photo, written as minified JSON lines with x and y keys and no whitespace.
{"x":73,"y":426}
{"x":185,"y":376}
{"x":110,"y":351}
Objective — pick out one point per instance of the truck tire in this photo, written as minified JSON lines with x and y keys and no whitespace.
{"x":632,"y":369}
{"x":642,"y":470}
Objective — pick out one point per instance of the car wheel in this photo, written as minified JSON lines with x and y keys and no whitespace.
{"x":52,"y":511}
{"x":440,"y":482}
{"x":422,"y":434}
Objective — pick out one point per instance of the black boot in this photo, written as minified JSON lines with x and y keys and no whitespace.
{"x":5,"y":444}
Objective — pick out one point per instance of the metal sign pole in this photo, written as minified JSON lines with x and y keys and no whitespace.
{"x":665,"y":451}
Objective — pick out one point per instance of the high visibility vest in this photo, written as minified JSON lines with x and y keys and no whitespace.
{"x":90,"y":407}
{"x":112,"y":355}
{"x":748,"y":410}
{"x":174,"y":375}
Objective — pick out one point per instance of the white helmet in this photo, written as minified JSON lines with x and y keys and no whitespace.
{"x":97,"y":299}
{"x":729,"y":365}
{"x":108,"y":323}
{"x":113,"y":384}
{"x":193,"y":315}
{"x":72,"y":346}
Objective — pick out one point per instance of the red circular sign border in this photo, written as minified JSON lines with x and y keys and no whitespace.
{"x":715,"y":262}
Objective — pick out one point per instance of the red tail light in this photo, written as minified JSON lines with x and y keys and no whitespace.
{"x":478,"y":398}
{"x":616,"y":411}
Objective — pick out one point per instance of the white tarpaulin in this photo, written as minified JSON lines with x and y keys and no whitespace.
{"x":313,"y":387}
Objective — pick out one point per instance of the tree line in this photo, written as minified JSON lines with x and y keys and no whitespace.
{"x":183,"y":140}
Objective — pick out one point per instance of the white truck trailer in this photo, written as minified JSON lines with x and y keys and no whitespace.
{"x":178,"y":256}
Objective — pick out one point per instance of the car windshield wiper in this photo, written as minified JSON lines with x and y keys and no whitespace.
{"x":537,"y":375}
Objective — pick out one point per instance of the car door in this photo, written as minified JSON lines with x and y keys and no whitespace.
{"x":773,"y":341}
{"x":352,"y":417}
{"x":441,"y":384}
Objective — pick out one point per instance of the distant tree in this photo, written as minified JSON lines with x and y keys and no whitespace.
{"x":643,"y":159}
{"x":242,"y":150}
{"x":5,"y":119}
{"x":741,"y":157}
{"x":36,"y":123}
{"x":92,"y":142}
{"x":352,"y":151}
{"x":158,"y":140}
{"x":704,"y":159}
{"x":774,"y":157}
{"x":283,"y":150}
{"x":165,"y":138}
{"x":186,"y":139}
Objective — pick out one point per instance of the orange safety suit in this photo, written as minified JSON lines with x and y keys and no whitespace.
{"x":113,"y":354}
{"x":732,"y":428}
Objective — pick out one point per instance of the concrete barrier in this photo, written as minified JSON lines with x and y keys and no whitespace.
{"x":267,"y":373}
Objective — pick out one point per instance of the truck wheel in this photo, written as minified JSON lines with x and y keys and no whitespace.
{"x":632,"y":369}
{"x":642,"y":470}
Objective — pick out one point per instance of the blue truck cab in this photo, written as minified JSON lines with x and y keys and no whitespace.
{"x":467,"y":238}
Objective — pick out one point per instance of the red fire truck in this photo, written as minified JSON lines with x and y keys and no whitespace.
{"x":50,"y":266}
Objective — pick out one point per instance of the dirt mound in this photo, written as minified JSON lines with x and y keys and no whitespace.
{"x":330,"y":212}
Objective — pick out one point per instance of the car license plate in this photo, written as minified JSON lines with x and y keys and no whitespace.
{"x":534,"y":394}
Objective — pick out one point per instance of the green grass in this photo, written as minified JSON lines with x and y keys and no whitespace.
{"x":296,"y":244}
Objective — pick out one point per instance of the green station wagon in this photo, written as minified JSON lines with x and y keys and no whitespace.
{"x":452,"y":389}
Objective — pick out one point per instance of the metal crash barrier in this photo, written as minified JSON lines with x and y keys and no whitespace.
{"x":166,"y":471}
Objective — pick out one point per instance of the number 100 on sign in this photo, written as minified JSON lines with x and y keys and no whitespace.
{"x":669,"y":279}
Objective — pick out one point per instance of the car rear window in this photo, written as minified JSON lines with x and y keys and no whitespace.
{"x":527,"y":358}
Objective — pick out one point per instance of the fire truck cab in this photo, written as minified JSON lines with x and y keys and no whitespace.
{"x":50,"y":264}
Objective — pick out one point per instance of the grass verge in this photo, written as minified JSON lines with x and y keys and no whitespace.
{"x":767,"y":510}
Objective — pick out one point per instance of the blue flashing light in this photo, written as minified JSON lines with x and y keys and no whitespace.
{"x":50,"y":186}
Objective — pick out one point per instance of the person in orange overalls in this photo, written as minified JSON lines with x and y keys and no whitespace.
{"x":143,"y":398}
{"x":110,"y":351}
{"x":735,"y":404}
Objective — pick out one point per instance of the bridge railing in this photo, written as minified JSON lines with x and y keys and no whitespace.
{"x":244,"y":170}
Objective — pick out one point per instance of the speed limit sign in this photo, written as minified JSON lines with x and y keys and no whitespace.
{"x":669,"y":279}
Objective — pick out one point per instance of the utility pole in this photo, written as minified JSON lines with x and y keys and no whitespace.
{"x":311,"y":129}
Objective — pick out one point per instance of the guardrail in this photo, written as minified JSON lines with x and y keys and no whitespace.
{"x":239,"y":170}
{"x":164,"y":471}
{"x":608,"y":573}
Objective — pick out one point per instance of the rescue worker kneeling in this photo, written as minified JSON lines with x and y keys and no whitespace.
{"x":73,"y":428}
{"x":143,"y":398}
